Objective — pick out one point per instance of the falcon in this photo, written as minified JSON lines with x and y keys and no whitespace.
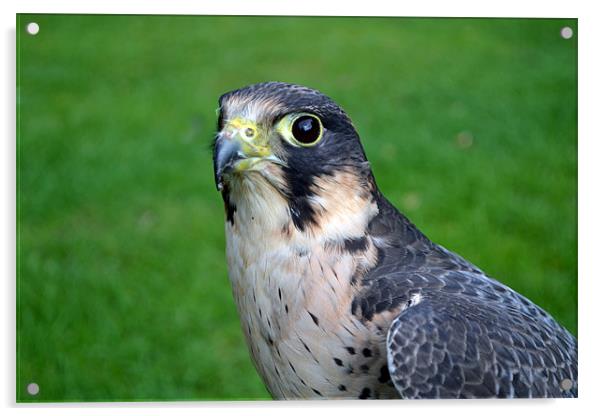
{"x":339,"y":294}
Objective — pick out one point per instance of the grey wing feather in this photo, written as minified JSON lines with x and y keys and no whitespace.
{"x":454,"y":346}
{"x":458,"y":332}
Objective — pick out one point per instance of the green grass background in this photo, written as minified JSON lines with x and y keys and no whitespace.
{"x":122,"y":285}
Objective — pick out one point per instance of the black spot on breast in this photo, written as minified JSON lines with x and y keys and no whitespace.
{"x":279,"y":294}
{"x":350,"y":350}
{"x":354,"y":306}
{"x":384,"y":374}
{"x":302,"y":252}
{"x":317,"y":392}
{"x":353,"y":245}
{"x":349,"y":331}
{"x":292,"y":367}
{"x":367,"y":352}
{"x":342,"y":387}
{"x":338,"y":362}
{"x":286,"y":308}
{"x":365,"y":368}
{"x":305,"y":346}
{"x":270,"y":340}
{"x":365,"y":394}
{"x":314,"y":318}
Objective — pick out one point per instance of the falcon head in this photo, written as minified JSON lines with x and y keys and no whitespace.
{"x":289,"y":152}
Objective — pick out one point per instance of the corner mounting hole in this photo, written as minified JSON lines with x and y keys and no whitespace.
{"x":566,"y":32}
{"x":33,"y":28}
{"x":33,"y":389}
{"x":566,"y":384}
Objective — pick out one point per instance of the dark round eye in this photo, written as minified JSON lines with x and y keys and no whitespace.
{"x":307,"y":129}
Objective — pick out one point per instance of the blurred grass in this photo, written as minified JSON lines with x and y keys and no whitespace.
{"x":470,"y":125}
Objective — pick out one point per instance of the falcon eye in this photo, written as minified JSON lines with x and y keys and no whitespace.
{"x":300,"y":129}
{"x":306,"y":129}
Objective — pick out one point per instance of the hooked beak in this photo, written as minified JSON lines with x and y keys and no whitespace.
{"x":225,"y":155}
{"x":239,"y":147}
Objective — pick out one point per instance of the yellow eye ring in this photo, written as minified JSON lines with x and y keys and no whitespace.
{"x":301,"y":129}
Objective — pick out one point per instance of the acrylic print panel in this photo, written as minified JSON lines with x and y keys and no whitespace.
{"x":123,"y":289}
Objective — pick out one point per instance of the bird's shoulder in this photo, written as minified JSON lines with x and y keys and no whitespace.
{"x":407,"y":263}
{"x":455,"y":331}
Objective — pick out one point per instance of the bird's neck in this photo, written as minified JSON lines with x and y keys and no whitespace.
{"x":336,"y":208}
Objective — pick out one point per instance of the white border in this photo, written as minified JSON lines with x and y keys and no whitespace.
{"x":508,"y":8}
{"x":590,"y":230}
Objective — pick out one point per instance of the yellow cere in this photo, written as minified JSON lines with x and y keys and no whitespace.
{"x":253,"y":141}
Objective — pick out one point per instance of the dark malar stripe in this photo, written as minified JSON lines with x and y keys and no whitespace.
{"x":299,"y":177}
{"x":302,"y":213}
{"x":229,"y":207}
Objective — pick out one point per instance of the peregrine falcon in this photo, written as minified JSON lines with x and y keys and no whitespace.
{"x":339,"y":294}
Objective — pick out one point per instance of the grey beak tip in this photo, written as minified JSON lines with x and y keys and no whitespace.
{"x":226,"y":152}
